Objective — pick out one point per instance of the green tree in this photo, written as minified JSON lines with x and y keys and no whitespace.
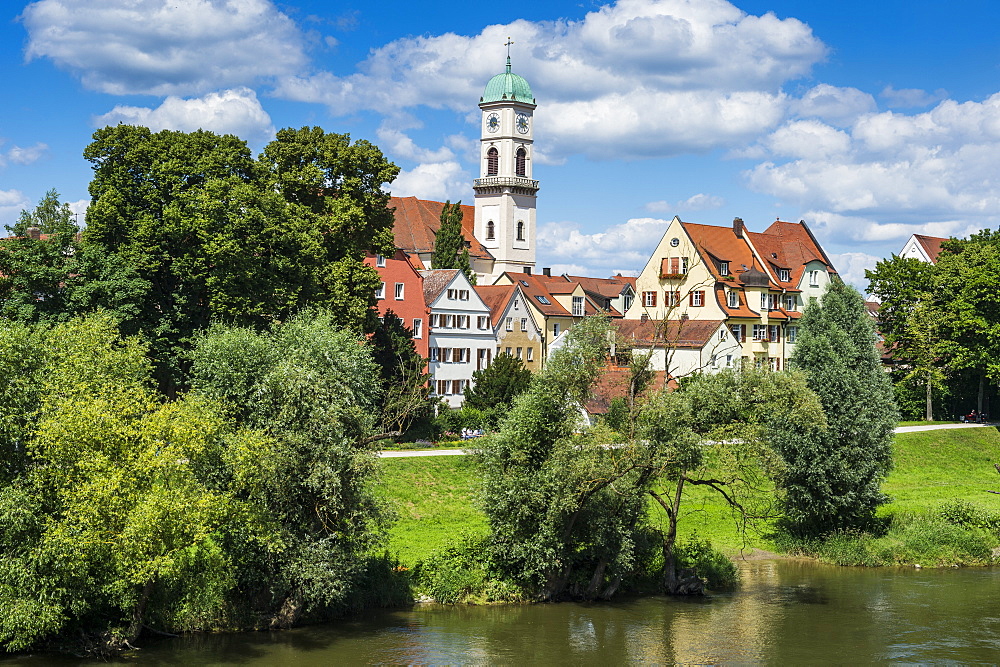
{"x":402,"y":371}
{"x":314,"y":389}
{"x":495,"y":387}
{"x":450,"y":248}
{"x":185,"y":229}
{"x":117,"y":519}
{"x":968,"y":280}
{"x":37,"y":274}
{"x":834,"y":477}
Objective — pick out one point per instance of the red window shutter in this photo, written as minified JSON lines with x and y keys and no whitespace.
{"x":675,"y":265}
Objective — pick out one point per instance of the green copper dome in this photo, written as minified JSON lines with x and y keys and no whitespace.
{"x":507,"y":87}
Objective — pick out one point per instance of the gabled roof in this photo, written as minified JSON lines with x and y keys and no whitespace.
{"x":722,"y":245}
{"x":742,"y":311}
{"x":931,"y":245}
{"x":789,"y":245}
{"x":692,"y":334}
{"x":435,"y":282}
{"x":609,"y":288}
{"x":533,"y":287}
{"x":418,"y":219}
{"x":496,"y":298}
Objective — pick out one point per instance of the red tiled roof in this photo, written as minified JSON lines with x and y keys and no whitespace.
{"x":496,"y":298}
{"x":931,"y":245}
{"x":722,"y":244}
{"x":693,"y":334}
{"x":742,"y":311}
{"x":533,"y":287}
{"x":606,"y":287}
{"x":435,"y":280}
{"x":789,"y":245}
{"x":418,"y":219}
{"x":614,"y":383}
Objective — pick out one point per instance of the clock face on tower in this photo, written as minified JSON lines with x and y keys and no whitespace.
{"x":493,"y":122}
{"x":522,"y":123}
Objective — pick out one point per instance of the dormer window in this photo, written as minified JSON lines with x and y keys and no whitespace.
{"x":492,"y":162}
{"x":520,"y":161}
{"x":784,"y":275}
{"x":490,"y":231}
{"x":724,"y":268}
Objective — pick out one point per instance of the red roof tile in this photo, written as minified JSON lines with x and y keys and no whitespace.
{"x":496,"y":298}
{"x":931,"y":245}
{"x":418,"y":219}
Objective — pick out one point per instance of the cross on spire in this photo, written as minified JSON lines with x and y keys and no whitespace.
{"x":509,"y":42}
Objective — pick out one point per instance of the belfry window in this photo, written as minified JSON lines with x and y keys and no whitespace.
{"x":490,"y":232}
{"x":520,"y":230}
{"x":520,"y":163}
{"x":492,"y":162}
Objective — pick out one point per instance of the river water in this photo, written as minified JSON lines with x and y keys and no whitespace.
{"x":785,"y":611}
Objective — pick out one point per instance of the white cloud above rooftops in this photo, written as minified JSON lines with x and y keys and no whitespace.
{"x":164,"y":47}
{"x":236,"y":111}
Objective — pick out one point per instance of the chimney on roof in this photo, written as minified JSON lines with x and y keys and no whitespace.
{"x":738,"y":227}
{"x":644,"y":317}
{"x":527,"y":270}
{"x":547,"y":271}
{"x":34,"y":233}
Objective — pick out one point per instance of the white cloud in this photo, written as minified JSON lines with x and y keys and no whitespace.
{"x":12,"y":202}
{"x":852,"y":265}
{"x":892,"y":174}
{"x":164,"y":47}
{"x":908,"y":98}
{"x":234,"y":111}
{"x":19,"y":155}
{"x":437,"y":181}
{"x":698,"y":202}
{"x":636,"y":78}
{"x":840,"y":106}
{"x":393,"y":141}
{"x":629,"y":244}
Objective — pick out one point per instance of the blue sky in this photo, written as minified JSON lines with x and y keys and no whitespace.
{"x":869,"y":120}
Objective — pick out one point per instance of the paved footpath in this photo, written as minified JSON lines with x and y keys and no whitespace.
{"x":406,"y":453}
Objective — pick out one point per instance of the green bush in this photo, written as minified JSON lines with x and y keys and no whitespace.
{"x":459,"y":574}
{"x":718,"y":571}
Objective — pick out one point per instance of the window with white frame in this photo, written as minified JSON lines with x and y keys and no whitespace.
{"x":714,"y":361}
{"x":380,"y":261}
{"x":672,"y":298}
{"x":774,"y":333}
{"x":520,"y":351}
{"x":435,"y":354}
{"x":418,"y":328}
{"x":531,"y":354}
{"x":577,"y":306}
{"x":733,"y":298}
{"x":516,"y":302}
{"x":509,"y":324}
{"x":784,"y":275}
{"x":627,"y":300}
{"x":445,"y":355}
{"x":509,"y":352}
{"x":399,"y":291}
{"x":789,"y":302}
{"x":449,"y":322}
{"x":483,"y":321}
{"x":524,"y":324}
{"x":739,"y":332}
{"x":792,"y":333}
{"x":442,"y":387}
{"x":697,"y":298}
{"x":722,"y":334}
{"x":814,"y":278}
{"x":760,"y":332}
{"x":724,"y":268}
{"x":649,"y":299}
{"x":380,"y":292}
{"x":463,"y":295}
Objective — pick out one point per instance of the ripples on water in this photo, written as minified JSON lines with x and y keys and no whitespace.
{"x":787,"y":612}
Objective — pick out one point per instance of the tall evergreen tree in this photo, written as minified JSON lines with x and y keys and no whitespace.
{"x":833,"y":477}
{"x":450,"y":249}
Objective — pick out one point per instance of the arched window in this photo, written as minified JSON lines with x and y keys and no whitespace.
{"x":489,"y":231}
{"x":492,"y":162}
{"x":520,"y":230}
{"x":520,"y":163}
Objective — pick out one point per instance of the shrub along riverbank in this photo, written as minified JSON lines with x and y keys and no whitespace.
{"x":940,"y":514}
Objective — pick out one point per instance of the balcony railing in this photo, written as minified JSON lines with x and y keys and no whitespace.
{"x":500,"y":181}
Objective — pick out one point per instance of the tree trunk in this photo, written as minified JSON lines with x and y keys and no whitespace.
{"x":139,"y":610}
{"x":979,"y":404}
{"x":595,"y":581}
{"x":930,"y":399}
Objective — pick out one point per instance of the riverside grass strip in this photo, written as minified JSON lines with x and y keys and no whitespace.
{"x":434,"y":497}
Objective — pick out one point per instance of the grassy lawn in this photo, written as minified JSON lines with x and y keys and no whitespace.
{"x":434,"y":495}
{"x":433,"y":498}
{"x":925,"y":423}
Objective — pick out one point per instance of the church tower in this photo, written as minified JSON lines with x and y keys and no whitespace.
{"x":505,"y":191}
